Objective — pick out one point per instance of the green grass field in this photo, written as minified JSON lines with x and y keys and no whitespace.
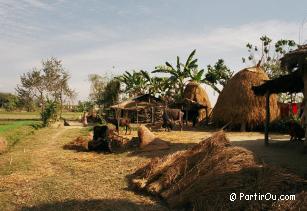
{"x":4,"y":115}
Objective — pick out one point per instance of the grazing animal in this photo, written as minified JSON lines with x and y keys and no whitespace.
{"x":171,"y":116}
{"x":122,"y":122}
{"x":296,"y":132}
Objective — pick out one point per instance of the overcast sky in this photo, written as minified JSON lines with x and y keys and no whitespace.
{"x":100,"y":36}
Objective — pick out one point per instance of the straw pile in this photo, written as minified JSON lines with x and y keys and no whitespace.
{"x":196,"y":93}
{"x":3,"y":145}
{"x":203,"y":177}
{"x":300,"y":203}
{"x":238,"y":104}
{"x":78,"y":144}
{"x":149,"y":142}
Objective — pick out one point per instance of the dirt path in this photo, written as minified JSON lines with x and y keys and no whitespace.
{"x":39,"y":174}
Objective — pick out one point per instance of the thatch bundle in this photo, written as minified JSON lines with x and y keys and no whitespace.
{"x":3,"y":145}
{"x":238,"y":104}
{"x":195,"y":93}
{"x":78,"y":144}
{"x":203,"y":177}
{"x":149,"y":142}
{"x":300,"y":203}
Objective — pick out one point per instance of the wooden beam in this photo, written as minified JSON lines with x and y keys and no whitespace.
{"x":267,"y":118}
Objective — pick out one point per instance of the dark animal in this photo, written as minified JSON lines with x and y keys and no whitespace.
{"x":100,"y":139}
{"x":122,"y":122}
{"x":66,"y":123}
{"x":171,"y":116}
{"x":296,"y":132}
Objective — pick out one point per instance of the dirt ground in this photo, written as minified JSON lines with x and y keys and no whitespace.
{"x":38,"y":174}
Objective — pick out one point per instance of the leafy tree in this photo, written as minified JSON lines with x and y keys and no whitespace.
{"x":98,"y":84}
{"x":110,"y":95}
{"x":179,"y":73}
{"x":217,"y":75}
{"x":50,"y":112}
{"x":84,"y":106}
{"x":269,"y":54}
{"x":8,"y":101}
{"x":50,"y":82}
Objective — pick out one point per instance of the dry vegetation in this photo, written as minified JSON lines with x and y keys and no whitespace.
{"x":37,"y":173}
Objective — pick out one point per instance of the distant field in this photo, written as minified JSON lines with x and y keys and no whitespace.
{"x":33,"y":115}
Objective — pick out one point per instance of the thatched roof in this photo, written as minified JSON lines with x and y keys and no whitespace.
{"x":296,"y":59}
{"x":195,"y":94}
{"x":292,"y":83}
{"x":138,"y":103}
{"x":238,"y":104}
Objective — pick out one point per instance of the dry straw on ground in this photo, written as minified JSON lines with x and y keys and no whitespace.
{"x":3,"y":145}
{"x":238,"y":104}
{"x":149,"y":142}
{"x":300,"y":203}
{"x":78,"y":144}
{"x":203,"y":177}
{"x":195,"y":92}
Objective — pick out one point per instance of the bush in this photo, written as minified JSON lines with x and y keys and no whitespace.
{"x":50,"y":113}
{"x":282,"y":125}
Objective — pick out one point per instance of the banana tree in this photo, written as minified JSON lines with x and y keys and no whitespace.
{"x":135,"y":83}
{"x":179,"y":73}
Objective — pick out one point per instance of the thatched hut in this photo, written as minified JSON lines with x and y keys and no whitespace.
{"x":295,"y":62}
{"x":197,"y":102}
{"x":238,"y":105}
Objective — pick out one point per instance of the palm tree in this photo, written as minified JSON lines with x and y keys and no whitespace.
{"x":180,"y":73}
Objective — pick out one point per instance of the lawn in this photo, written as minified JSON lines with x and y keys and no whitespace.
{"x":4,"y":115}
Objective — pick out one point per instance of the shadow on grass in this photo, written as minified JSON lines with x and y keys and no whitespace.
{"x":95,"y":204}
{"x":279,"y":153}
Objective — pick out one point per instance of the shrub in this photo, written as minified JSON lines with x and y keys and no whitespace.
{"x":50,"y":113}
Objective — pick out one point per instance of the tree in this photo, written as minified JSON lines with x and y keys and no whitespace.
{"x":98,"y":84}
{"x":217,"y":75}
{"x":8,"y":101}
{"x":135,"y":83}
{"x":110,"y":94}
{"x":50,"y":82}
{"x":269,"y":54}
{"x":180,"y":73}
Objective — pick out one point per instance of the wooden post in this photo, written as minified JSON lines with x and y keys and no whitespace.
{"x":207,"y":116}
{"x":137,"y":114}
{"x":152,"y":115}
{"x":186,"y":115}
{"x":267,"y":118}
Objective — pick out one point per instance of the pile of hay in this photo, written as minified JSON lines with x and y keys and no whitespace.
{"x":78,"y":144}
{"x":238,"y":104}
{"x":149,"y":142}
{"x":300,"y":203}
{"x":194,"y":92}
{"x":203,"y":177}
{"x":3,"y":145}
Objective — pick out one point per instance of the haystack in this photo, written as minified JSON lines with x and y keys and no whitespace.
{"x":203,"y":177}
{"x":198,"y":95}
{"x":149,"y":142}
{"x":300,"y":203}
{"x":78,"y":144}
{"x":237,"y":103}
{"x":3,"y":145}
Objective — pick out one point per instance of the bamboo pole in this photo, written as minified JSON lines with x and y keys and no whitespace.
{"x":267,"y":118}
